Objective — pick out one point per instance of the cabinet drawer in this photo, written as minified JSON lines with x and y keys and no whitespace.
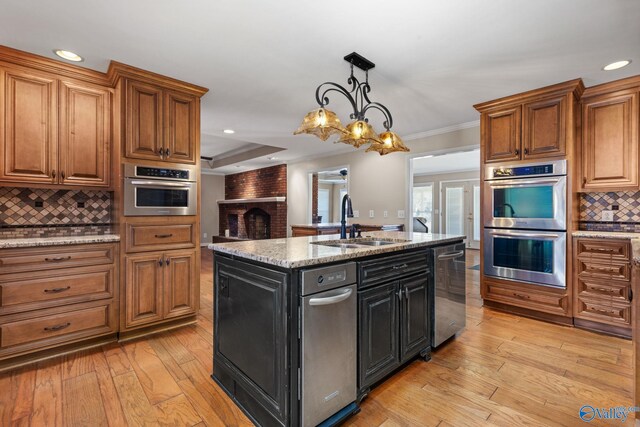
{"x":29,"y":291}
{"x":37,"y":259}
{"x":616,"y":250}
{"x":150,"y":237}
{"x":603,"y":290}
{"x":604,"y":270}
{"x":597,"y":311}
{"x":547,"y":301}
{"x":377,"y":271}
{"x":78,"y":321}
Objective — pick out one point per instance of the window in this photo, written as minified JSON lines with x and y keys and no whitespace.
{"x":323,"y":205}
{"x":423,"y":202}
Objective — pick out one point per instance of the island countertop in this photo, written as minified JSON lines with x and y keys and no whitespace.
{"x":337,"y":224}
{"x":30,"y":242}
{"x":295,"y":252}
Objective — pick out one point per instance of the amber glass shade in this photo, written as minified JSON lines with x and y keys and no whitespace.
{"x":359,"y":133}
{"x":390,"y":142}
{"x":321,"y":123}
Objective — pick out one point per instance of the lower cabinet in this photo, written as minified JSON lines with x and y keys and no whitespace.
{"x":159,"y":286}
{"x":393,"y":326}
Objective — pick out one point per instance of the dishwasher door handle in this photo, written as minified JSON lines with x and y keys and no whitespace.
{"x":331,"y":300}
{"x":451,"y":255}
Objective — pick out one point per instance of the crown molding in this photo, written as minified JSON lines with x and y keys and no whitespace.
{"x":440,"y":131}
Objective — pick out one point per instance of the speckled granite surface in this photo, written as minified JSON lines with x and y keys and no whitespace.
{"x":56,"y":241}
{"x":297,"y":252}
{"x":605,"y":234}
{"x":635,"y":252}
{"x":337,"y":224}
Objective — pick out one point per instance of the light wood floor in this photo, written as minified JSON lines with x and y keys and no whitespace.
{"x":502,"y":370}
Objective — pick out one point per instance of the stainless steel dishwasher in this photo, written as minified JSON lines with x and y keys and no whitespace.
{"x":450,"y":292}
{"x":328,"y":334}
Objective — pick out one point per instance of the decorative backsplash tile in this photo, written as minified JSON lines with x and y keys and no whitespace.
{"x":43,"y":207}
{"x":626,"y":218}
{"x":56,"y":231}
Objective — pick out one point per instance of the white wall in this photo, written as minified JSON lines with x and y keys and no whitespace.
{"x":375,"y":182}
{"x":212,"y":190}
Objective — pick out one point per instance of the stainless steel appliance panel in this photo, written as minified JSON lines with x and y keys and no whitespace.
{"x":324,"y":278}
{"x":450,"y":291}
{"x":527,"y":170}
{"x":538,"y":257}
{"x":155,"y":197}
{"x":329,"y":352}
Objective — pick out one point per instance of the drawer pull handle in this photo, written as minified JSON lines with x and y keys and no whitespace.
{"x":56,"y":290}
{"x":58,"y":258}
{"x":522,"y":296}
{"x":160,"y":262}
{"x":57,"y":327}
{"x":601,"y":249}
{"x":163,"y":236}
{"x":605,"y":290}
{"x":602,"y":310}
{"x":166,"y":261}
{"x":398,"y":267}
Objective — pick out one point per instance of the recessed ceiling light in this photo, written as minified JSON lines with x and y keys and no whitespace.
{"x":272,"y":158}
{"x":616,"y":65}
{"x":68,"y":55}
{"x":229,"y":131}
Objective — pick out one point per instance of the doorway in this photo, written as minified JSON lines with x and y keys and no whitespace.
{"x":460,"y":201}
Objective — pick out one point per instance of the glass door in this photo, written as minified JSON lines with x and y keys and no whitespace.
{"x":461,"y":210}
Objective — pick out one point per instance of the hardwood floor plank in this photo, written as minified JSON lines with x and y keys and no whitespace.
{"x":117,"y":359}
{"x":22,"y":387}
{"x":83,"y":401}
{"x":204,"y":407}
{"x":179,"y":352}
{"x":110,"y":399}
{"x":47,"y":397}
{"x":198,"y":346}
{"x":77,"y":364}
{"x":155,"y":379}
{"x":7,"y":398}
{"x":168,"y":361}
{"x":177,"y":411}
{"x":136,"y":407}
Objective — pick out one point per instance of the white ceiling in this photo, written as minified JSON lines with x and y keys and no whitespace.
{"x":447,"y":163}
{"x":263,"y":60}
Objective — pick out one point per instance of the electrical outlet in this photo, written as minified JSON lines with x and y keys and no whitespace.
{"x":204,"y":235}
{"x":356,"y":214}
{"x":401,"y":213}
{"x":607,"y":216}
{"x":372,"y":214}
{"x":385,"y":214}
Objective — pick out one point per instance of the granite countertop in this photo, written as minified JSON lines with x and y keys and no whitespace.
{"x":297,"y":252}
{"x":57,"y":241}
{"x":606,"y":234}
{"x":337,"y":224}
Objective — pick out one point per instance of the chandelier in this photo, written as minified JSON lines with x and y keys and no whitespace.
{"x":324,"y":123}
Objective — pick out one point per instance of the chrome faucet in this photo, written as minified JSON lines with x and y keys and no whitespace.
{"x":347,"y":211}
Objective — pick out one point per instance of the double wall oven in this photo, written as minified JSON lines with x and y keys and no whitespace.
{"x":525,"y":220}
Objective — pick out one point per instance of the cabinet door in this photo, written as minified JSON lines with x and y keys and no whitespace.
{"x":181,"y":127}
{"x":378,"y":329}
{"x":610,"y":141}
{"x":544,"y":130}
{"x":501,"y":135}
{"x":144,"y":121}
{"x":143,"y":294}
{"x":414,"y":317}
{"x":28,"y":137}
{"x":85,"y":134}
{"x":180,"y":283}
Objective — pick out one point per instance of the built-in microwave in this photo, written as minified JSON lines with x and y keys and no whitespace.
{"x":531,"y":196}
{"x":160,"y":191}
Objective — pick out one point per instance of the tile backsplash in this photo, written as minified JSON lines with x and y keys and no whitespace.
{"x":26,"y":207}
{"x":626,"y":218}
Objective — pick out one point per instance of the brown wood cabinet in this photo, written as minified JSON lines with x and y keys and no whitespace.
{"x":57,"y":131}
{"x":602,"y":285}
{"x":609,"y":158}
{"x":161,"y":124}
{"x":56,"y":296}
{"x":159,"y":286}
{"x":531,"y":125}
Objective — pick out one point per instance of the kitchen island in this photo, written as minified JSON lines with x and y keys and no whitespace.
{"x":304,"y":327}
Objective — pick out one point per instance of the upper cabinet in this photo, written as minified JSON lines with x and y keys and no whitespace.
{"x":56,"y":128}
{"x":161,"y":116}
{"x":531,"y":125}
{"x":609,"y":147}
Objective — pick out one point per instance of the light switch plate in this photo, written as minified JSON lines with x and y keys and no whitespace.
{"x":607,"y":216}
{"x":356,"y":214}
{"x":372,"y":214}
{"x":385,"y":214}
{"x":401,"y":213}
{"x":204,"y":235}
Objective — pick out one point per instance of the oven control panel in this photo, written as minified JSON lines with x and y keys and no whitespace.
{"x":524,"y":170}
{"x":162,"y":173}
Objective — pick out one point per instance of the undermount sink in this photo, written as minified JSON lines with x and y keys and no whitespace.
{"x":358,"y":243}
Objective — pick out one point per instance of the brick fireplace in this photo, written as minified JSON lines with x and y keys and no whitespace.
{"x":255,"y":204}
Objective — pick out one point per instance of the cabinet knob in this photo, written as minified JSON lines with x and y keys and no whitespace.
{"x":584,"y":180}
{"x":161,"y":151}
{"x":526,"y":151}
{"x":160,"y":262}
{"x":517,"y":152}
{"x":166,"y":261}
{"x":167,"y":152}
{"x":62,"y":174}
{"x":53,"y":173}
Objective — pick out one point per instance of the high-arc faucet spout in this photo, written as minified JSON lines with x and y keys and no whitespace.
{"x":346,"y":211}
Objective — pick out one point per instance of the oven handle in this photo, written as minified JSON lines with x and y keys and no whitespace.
{"x":519,"y":183}
{"x":161,"y":184}
{"x":530,"y":235}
